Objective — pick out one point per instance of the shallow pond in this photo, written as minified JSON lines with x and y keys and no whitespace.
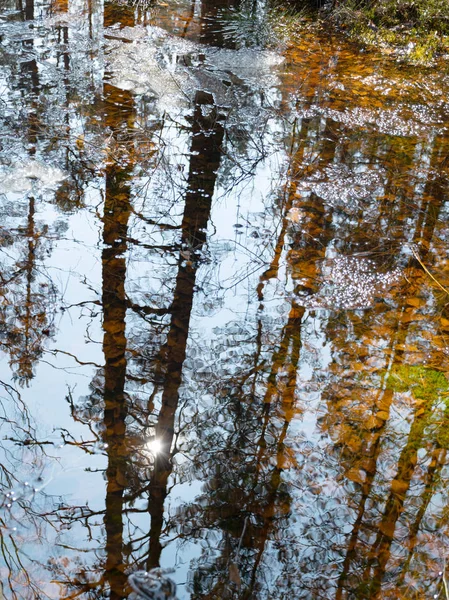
{"x":224,"y":307}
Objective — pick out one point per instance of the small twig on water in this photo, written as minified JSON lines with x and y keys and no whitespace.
{"x":237,"y":552}
{"x":416,"y":255}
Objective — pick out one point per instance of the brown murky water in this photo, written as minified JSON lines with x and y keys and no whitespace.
{"x":224,"y":319}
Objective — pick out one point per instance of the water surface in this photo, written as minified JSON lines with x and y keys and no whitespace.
{"x":223,"y":318}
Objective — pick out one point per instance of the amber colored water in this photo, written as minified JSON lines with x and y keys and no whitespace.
{"x":224,"y":321}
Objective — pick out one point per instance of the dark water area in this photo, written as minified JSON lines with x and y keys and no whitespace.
{"x":224,"y":309}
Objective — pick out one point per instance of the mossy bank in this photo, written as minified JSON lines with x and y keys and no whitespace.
{"x":415,"y":30}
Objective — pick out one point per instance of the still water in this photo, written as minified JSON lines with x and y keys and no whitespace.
{"x":224,"y":319}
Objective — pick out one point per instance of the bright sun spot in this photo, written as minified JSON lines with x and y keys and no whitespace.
{"x":154,"y":446}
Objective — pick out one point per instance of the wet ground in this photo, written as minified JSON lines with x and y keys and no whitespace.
{"x":223,"y":307}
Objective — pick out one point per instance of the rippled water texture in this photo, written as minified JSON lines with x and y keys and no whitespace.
{"x":223,"y":307}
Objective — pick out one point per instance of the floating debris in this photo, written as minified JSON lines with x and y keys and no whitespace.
{"x":24,"y":177}
{"x":171,"y":69}
{"x":351,"y":283}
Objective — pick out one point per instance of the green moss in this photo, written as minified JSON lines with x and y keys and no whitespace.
{"x":417,"y":29}
{"x":424,"y":50}
{"x":425,"y":384}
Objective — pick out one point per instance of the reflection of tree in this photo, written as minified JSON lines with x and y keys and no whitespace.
{"x":27,"y":299}
{"x":116,"y":214}
{"x":211,"y":28}
{"x":207,"y":136}
{"x":364,"y":435}
{"x":357,"y":416}
{"x":126,"y":478}
{"x":24,"y":293}
{"x":247,"y":498}
{"x":27,"y":291}
{"x":362,"y":468}
{"x":426,"y":386}
{"x":24,"y":509}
